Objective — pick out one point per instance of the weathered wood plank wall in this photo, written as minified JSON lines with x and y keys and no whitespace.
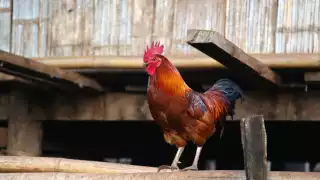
{"x":5,"y":24}
{"x":123,"y":27}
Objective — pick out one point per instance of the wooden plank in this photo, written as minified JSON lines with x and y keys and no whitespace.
{"x":39,"y":72}
{"x":190,"y":175}
{"x":49,"y":164}
{"x":216,"y":46}
{"x":294,"y":106}
{"x":10,"y":78}
{"x":275,"y":61}
{"x":254,"y":143}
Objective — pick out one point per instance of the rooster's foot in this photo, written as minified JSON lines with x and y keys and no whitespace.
{"x":191,"y":168}
{"x":167,"y":167}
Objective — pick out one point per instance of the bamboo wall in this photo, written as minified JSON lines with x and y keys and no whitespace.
{"x":36,"y":28}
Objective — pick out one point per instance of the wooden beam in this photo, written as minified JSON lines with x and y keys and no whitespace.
{"x":24,"y":134}
{"x":254,"y":143}
{"x":276,"y":61}
{"x":189,"y":175}
{"x":217,"y":47}
{"x":48,"y":164}
{"x":294,"y":106}
{"x":9,"y":78}
{"x":38,"y":72}
{"x":289,"y":106}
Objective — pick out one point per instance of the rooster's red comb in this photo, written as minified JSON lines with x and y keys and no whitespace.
{"x":155,"y":48}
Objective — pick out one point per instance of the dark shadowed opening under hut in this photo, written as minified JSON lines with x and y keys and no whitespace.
{"x":291,"y":145}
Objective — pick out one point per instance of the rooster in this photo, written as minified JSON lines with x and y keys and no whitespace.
{"x":183,"y":114}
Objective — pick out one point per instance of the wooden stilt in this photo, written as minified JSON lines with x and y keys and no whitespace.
{"x":24,"y":134}
{"x":254,"y":142}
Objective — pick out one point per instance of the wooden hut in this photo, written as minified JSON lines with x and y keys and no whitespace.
{"x":58,"y":47}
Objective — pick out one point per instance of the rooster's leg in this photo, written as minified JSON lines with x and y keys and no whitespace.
{"x":194,"y":166}
{"x":175,"y":161}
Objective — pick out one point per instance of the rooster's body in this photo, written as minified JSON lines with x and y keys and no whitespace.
{"x":183,"y":114}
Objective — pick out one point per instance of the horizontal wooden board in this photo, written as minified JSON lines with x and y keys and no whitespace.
{"x":36,"y":71}
{"x":224,"y":51}
{"x":271,"y":60}
{"x":189,"y":175}
{"x":295,"y":106}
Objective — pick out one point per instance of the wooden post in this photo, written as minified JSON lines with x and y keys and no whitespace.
{"x":24,"y":134}
{"x":254,"y":143}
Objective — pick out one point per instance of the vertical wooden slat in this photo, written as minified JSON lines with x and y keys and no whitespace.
{"x":44,"y":46}
{"x":103,"y":27}
{"x":298,"y":25}
{"x":5,"y":24}
{"x":208,"y":15}
{"x":84,"y":12}
{"x":235,"y":22}
{"x":250,"y":24}
{"x":71,"y":27}
{"x":142,"y":25}
{"x":179,"y":28}
{"x":125,"y":27}
{"x":25,"y":27}
{"x":273,"y":21}
{"x":112,"y":27}
{"x":163,"y":23}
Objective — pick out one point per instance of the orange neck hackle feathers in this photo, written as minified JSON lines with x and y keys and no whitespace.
{"x":162,"y":73}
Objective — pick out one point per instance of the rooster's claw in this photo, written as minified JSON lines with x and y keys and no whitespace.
{"x":168,"y":167}
{"x":190,"y":168}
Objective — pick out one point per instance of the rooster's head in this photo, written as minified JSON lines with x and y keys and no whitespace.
{"x":150,"y":59}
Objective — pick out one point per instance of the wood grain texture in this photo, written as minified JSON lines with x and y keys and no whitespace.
{"x":24,"y":134}
{"x":203,"y":175}
{"x":32,"y":70}
{"x":250,"y":24}
{"x":216,"y":46}
{"x":297,"y":28}
{"x":142,"y":25}
{"x":47,"y":164}
{"x":254,"y":143}
{"x":5,"y":24}
{"x":127,"y":62}
{"x":298,"y":106}
{"x":75,"y":28}
{"x":209,"y":15}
